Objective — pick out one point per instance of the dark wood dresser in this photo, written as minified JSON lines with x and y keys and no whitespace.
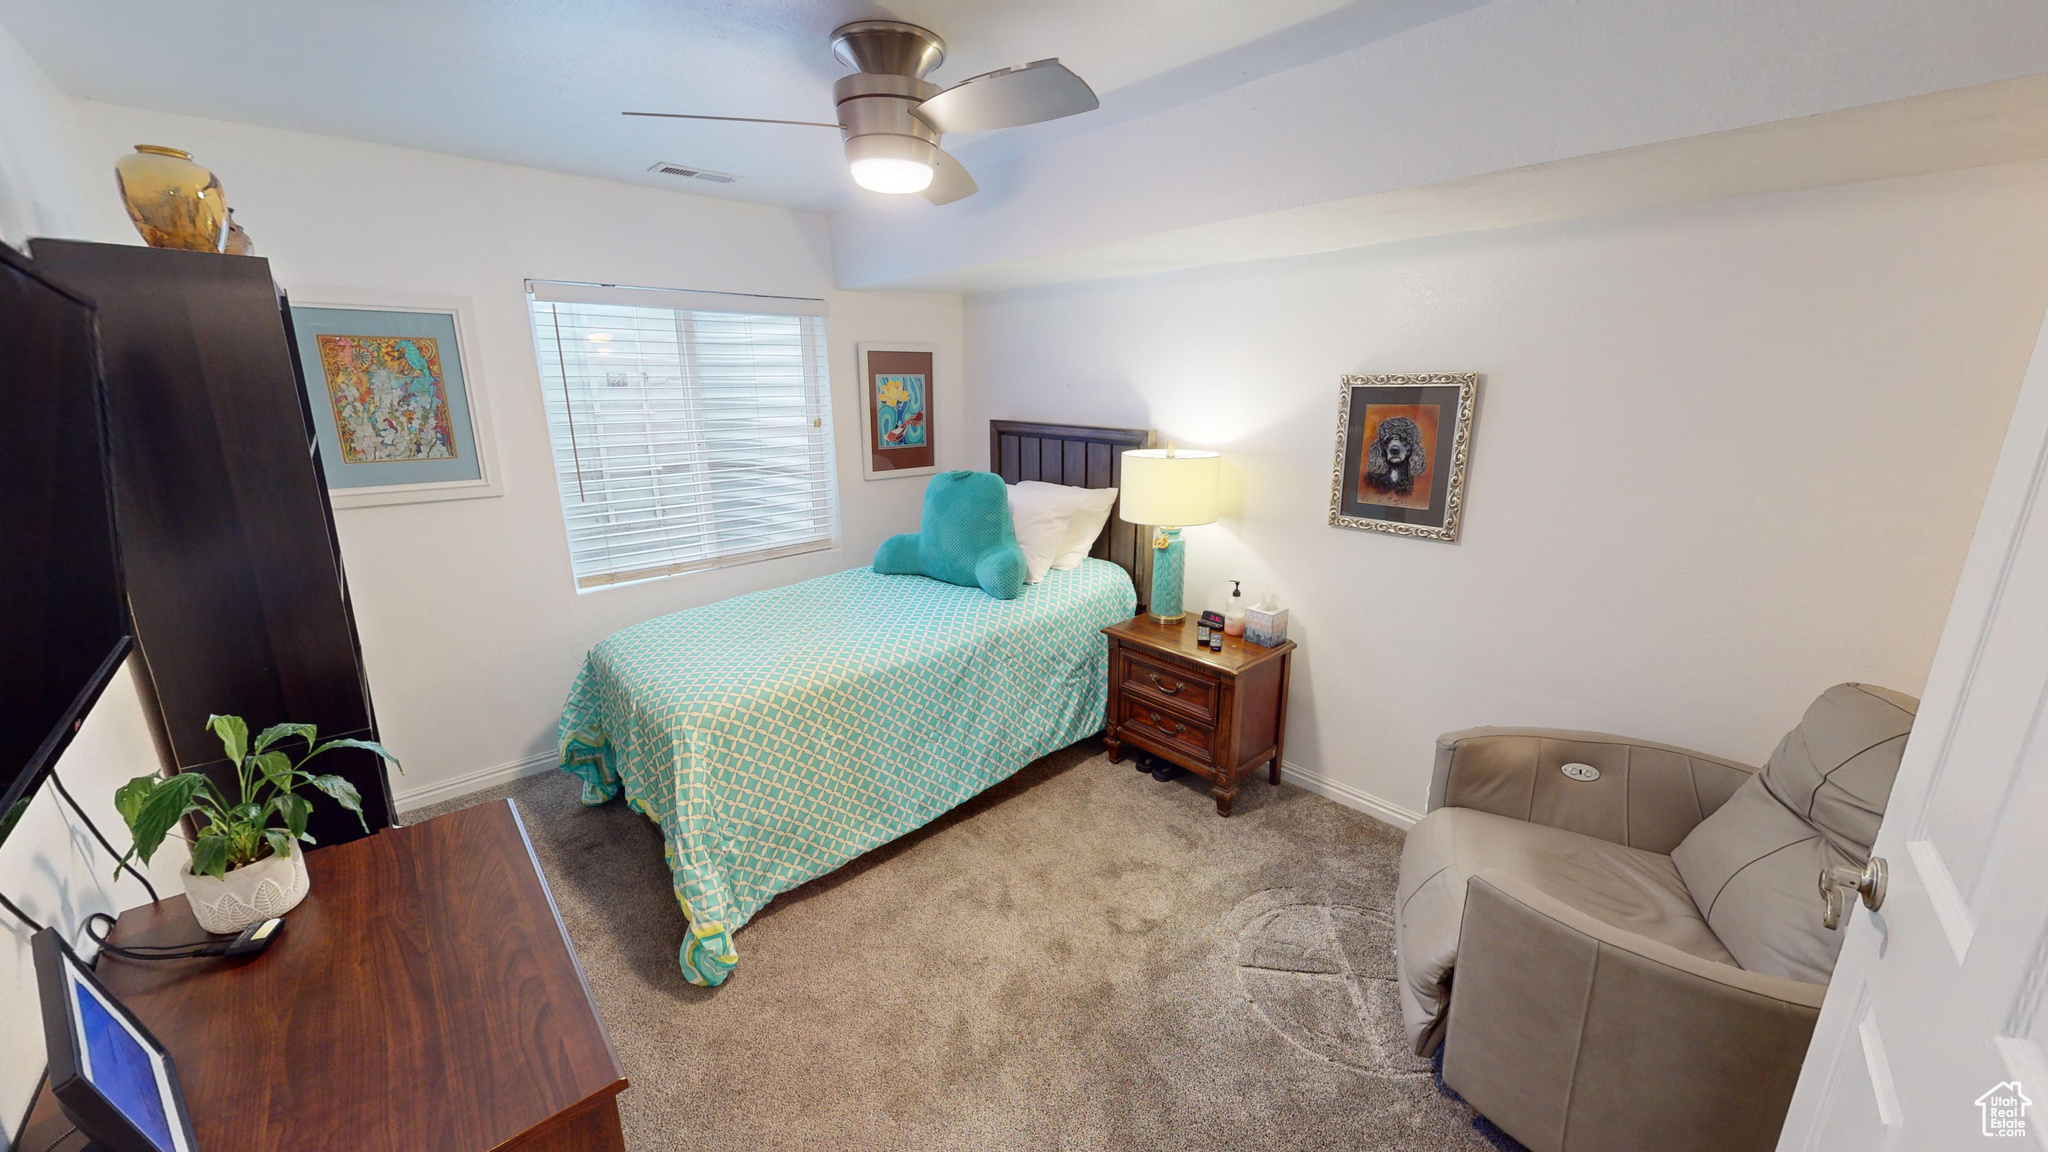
{"x":424,"y":996}
{"x":1217,"y":714}
{"x":234,"y":572}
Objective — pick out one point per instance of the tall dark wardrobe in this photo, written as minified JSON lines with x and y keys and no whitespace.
{"x":234,"y":571}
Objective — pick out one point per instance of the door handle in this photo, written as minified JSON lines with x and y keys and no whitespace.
{"x":1836,"y":883}
{"x":1177,"y":688}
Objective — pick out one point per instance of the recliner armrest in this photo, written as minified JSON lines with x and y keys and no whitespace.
{"x":1648,"y":795}
{"x":1571,"y":1033}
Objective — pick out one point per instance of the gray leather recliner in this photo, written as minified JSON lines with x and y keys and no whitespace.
{"x":1635,"y":960}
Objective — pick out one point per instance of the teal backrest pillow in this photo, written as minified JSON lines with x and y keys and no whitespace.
{"x":966,"y":537}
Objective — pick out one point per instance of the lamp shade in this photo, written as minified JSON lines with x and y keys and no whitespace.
{"x":1169,"y":488}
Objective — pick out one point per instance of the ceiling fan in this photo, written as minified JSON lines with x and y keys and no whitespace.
{"x":892,"y":119}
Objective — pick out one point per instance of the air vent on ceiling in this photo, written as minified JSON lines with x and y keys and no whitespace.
{"x":689,"y":173}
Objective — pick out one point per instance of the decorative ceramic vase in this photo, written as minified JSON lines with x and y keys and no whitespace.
{"x":248,"y":895}
{"x":174,"y":202}
{"x":238,"y":243}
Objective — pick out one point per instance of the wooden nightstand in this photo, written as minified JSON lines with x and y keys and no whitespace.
{"x":1216,"y":714}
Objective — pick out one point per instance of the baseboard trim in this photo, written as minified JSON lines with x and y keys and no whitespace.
{"x":1382,"y":810}
{"x":476,"y":781}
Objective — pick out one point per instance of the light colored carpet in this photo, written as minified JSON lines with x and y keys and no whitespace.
{"x":1081,"y":958}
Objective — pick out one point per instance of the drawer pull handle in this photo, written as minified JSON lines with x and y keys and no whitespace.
{"x":1176,"y":690}
{"x":1178,"y":727}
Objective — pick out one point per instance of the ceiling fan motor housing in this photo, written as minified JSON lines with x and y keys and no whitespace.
{"x":875,"y":102}
{"x":888,"y":47}
{"x":874,"y":117}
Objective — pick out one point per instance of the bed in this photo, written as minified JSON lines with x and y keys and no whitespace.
{"x":775,"y":736}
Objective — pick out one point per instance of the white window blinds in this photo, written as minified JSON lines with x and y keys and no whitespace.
{"x":685,"y":436}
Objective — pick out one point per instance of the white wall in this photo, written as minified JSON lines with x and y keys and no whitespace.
{"x":39,"y":192}
{"x":1726,"y":454}
{"x":471,"y":626}
{"x":49,"y":864}
{"x":59,"y":874}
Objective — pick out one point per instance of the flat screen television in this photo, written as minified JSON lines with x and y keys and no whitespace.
{"x":63,"y":613}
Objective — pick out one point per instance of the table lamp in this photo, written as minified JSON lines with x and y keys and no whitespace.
{"x":1169,"y":490}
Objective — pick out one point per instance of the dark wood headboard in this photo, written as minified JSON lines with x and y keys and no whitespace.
{"x":1083,"y":457}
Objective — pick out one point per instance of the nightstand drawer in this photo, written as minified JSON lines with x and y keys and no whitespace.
{"x":1170,"y":731}
{"x":1168,"y":686}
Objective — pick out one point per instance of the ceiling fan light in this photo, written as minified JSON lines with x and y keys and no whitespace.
{"x":897,"y":165}
{"x":896,"y":177}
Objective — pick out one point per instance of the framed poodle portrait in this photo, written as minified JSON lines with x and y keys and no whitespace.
{"x":896,"y":386}
{"x":1402,"y":444}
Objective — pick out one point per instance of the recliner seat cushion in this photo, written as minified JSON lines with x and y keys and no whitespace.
{"x":1753,"y":866}
{"x":1754,"y":875}
{"x":1628,"y":888}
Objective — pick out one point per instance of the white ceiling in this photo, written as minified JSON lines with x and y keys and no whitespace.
{"x":1229,"y":129}
{"x":1510,"y":112}
{"x":542,"y":82}
{"x":2004,"y":122}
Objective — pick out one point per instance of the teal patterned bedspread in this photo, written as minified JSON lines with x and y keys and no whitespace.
{"x":777,"y":735}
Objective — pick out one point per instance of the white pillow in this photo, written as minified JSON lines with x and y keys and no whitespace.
{"x":1090,"y":514}
{"x":1040,"y":518}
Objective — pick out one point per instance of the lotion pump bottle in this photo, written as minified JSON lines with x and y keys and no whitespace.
{"x":1233,"y":615}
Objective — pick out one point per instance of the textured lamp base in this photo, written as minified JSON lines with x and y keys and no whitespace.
{"x":1169,"y":563}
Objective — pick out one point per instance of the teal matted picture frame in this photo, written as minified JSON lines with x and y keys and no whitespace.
{"x":398,"y":408}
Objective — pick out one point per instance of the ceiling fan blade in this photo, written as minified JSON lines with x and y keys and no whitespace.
{"x":950,"y":181}
{"x":731,"y":119}
{"x":1040,"y":90}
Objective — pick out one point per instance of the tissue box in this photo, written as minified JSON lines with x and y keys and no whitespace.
{"x":1265,"y":628}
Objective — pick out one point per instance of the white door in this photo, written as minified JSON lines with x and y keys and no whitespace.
{"x":1933,"y":1031}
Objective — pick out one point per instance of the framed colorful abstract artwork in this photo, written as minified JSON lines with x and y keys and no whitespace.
{"x":1402,"y":445}
{"x":896,"y":386}
{"x":399,"y":412}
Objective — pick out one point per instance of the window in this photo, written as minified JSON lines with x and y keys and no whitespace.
{"x":691,"y":430}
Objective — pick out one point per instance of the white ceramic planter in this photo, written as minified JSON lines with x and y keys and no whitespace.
{"x":249,"y":894}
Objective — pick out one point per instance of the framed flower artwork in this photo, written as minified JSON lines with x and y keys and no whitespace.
{"x":896,"y":386}
{"x":397,"y":408}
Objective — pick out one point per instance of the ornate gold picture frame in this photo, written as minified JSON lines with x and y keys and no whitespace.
{"x":1402,"y":445}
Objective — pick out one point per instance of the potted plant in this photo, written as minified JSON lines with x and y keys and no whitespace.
{"x":246,"y":864}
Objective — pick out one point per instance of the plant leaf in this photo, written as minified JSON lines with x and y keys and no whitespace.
{"x":128,"y":797}
{"x":344,"y":793}
{"x":234,"y":736}
{"x":280,"y":842}
{"x":276,"y":732}
{"x":13,"y":817}
{"x":372,"y":745}
{"x":276,"y":768}
{"x":169,"y":799}
{"x":210,"y":856}
{"x":295,"y":809}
